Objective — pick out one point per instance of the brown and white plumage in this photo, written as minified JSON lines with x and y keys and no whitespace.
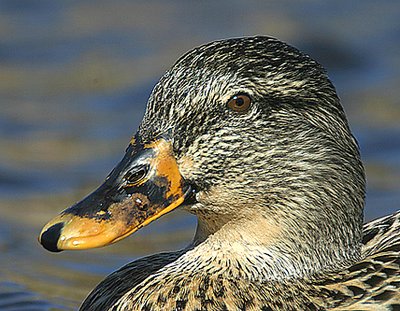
{"x":369,"y":284}
{"x":277,"y":186}
{"x":373,"y":283}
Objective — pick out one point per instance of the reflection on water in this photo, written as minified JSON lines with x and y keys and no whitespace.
{"x":74,"y":78}
{"x":14,"y":297}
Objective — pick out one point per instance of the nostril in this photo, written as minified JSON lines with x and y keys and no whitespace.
{"x":50,"y":237}
{"x":135,"y":176}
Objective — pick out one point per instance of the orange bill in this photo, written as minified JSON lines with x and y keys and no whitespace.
{"x":145,"y":185}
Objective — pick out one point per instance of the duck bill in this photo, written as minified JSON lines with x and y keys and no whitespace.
{"x":145,"y":185}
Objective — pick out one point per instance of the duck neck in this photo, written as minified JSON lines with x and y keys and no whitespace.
{"x":266,"y":248}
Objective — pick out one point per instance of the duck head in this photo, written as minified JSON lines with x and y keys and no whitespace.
{"x":249,"y":135}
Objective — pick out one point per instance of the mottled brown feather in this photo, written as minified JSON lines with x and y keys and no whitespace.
{"x":371,"y":284}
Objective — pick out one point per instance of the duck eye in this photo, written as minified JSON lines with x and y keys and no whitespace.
{"x":239,"y":103}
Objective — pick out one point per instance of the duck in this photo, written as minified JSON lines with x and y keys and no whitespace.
{"x":249,"y":135}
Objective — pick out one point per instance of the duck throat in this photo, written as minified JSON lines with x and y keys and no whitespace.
{"x":267,"y":249}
